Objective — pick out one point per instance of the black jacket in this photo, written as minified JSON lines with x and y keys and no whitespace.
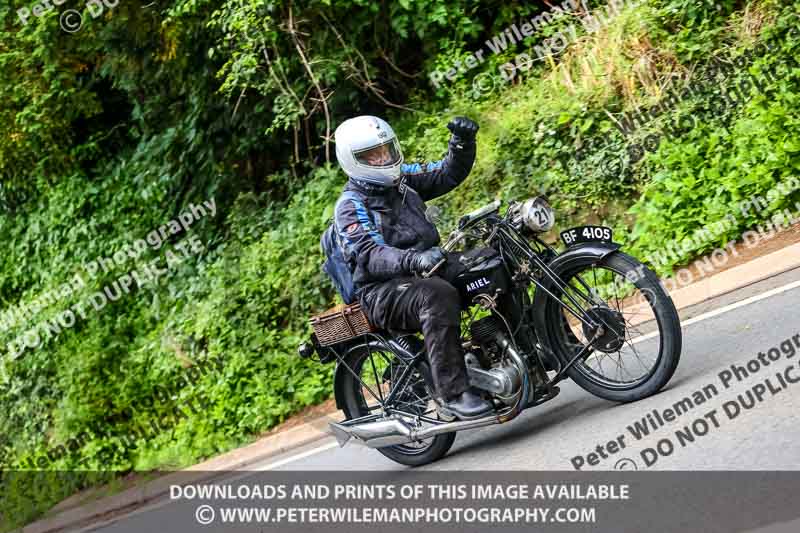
{"x":383,"y":227}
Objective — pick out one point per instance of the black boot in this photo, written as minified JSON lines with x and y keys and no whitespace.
{"x":467,"y":406}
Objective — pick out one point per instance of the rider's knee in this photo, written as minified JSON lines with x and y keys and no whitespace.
{"x":438,"y":290}
{"x":440,"y":302}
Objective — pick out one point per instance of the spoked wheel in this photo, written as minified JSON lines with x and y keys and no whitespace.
{"x":379,"y":371}
{"x":638,"y":348}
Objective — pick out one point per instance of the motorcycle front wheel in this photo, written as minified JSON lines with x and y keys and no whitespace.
{"x":639,"y":350}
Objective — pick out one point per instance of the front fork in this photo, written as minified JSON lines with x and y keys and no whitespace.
{"x":518,"y":310}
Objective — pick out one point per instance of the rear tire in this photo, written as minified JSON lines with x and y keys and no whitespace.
{"x":355,"y":406}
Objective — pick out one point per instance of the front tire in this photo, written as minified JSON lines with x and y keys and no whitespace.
{"x":655,"y":313}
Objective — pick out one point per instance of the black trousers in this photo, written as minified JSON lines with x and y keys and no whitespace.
{"x":432,"y":306}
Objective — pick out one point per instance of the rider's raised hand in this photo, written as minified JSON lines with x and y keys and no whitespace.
{"x":463,"y":128}
{"x":424,"y":261}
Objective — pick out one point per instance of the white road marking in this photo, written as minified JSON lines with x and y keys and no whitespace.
{"x":297,"y":457}
{"x":730,"y":307}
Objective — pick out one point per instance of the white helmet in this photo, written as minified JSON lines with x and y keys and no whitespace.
{"x":367,"y":150}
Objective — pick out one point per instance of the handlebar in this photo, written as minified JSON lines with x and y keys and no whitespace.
{"x":458,"y":234}
{"x":478,"y":213}
{"x":430,"y":272}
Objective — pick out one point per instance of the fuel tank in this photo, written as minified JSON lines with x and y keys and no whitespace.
{"x":484,"y":273}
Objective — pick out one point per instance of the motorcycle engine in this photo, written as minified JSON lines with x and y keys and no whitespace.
{"x":488,"y":370}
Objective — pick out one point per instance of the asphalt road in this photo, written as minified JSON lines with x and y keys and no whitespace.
{"x":730,"y":330}
{"x":548,"y":437}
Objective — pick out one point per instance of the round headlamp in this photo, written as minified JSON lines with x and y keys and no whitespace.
{"x":537,"y":214}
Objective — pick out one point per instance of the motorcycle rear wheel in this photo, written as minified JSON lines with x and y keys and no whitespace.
{"x":374,"y":368}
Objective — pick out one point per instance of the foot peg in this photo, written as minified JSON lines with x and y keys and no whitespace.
{"x":546,"y":395}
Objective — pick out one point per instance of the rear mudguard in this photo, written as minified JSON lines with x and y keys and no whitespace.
{"x":341,"y":373}
{"x":338,"y":386}
{"x":582,"y":254}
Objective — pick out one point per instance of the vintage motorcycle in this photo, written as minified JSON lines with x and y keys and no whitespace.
{"x":532,"y":317}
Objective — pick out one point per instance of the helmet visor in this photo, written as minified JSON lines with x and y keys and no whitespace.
{"x":381,"y":156}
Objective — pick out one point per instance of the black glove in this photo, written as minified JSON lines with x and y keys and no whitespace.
{"x":424,"y":261}
{"x":463,"y":128}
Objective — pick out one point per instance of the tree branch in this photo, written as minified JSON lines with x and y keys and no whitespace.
{"x":314,"y":81}
{"x":364,"y":79}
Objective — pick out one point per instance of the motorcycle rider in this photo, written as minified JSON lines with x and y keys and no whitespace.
{"x":389,"y":243}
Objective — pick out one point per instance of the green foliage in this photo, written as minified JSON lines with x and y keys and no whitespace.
{"x":729,"y":157}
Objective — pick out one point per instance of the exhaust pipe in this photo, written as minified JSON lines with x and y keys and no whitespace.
{"x":374,"y":434}
{"x":396,"y":431}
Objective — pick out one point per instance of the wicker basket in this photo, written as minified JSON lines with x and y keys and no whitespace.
{"x":340,"y":323}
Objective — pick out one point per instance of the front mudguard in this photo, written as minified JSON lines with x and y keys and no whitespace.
{"x":580,"y":255}
{"x":575,"y":256}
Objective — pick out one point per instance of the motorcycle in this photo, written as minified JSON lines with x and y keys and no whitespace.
{"x":532,"y":318}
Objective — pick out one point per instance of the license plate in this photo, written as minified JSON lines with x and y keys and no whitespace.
{"x":584,"y":234}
